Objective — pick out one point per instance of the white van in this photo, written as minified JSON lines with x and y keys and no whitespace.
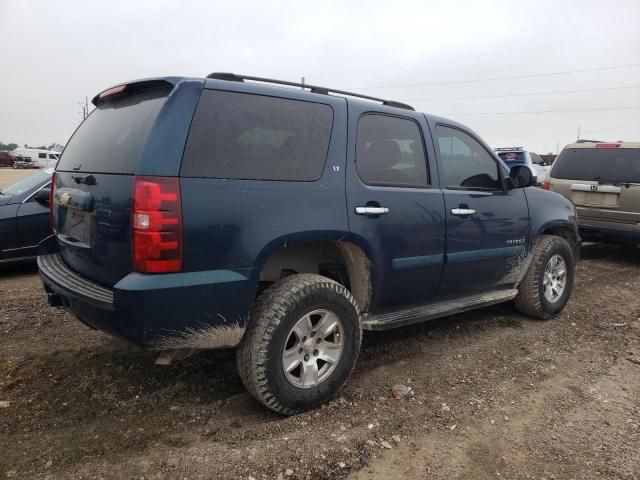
{"x":37,"y":157}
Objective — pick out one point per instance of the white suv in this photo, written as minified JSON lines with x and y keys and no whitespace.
{"x":518,"y":156}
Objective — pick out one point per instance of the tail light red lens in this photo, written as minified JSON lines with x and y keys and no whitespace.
{"x":156,"y":224}
{"x":546,"y":186}
{"x":51,"y":207}
{"x":112,"y":91}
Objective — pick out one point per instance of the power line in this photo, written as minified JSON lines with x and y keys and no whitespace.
{"x":544,"y":111}
{"x":511,"y":77}
{"x":557,"y":92}
{"x":488,"y":54}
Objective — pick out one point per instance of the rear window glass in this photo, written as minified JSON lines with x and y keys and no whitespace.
{"x":253,"y":137}
{"x":512,"y":158}
{"x":602,"y":164}
{"x":111,"y":139}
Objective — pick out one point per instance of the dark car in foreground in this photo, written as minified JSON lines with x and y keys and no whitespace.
{"x":235,"y":212}
{"x":24,"y":217}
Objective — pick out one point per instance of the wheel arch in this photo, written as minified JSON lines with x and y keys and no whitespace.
{"x":564,"y":230}
{"x":323,"y":253}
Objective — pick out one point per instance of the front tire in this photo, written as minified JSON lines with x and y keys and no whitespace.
{"x":546,"y":287}
{"x":301,"y":344}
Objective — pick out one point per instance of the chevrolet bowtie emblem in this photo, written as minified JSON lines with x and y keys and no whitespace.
{"x":65,"y":198}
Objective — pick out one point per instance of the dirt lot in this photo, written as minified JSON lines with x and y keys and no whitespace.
{"x":12,"y":175}
{"x":495,"y":396}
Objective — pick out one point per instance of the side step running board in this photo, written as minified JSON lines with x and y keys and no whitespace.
{"x":408,"y":316}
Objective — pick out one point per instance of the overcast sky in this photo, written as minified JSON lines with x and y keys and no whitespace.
{"x":499,"y":67}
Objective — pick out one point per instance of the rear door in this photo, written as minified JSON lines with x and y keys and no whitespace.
{"x":542,"y":170}
{"x":94,"y":182}
{"x":392,"y":205}
{"x":8,"y":239}
{"x":487,"y":226}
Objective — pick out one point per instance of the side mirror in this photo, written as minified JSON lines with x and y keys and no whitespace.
{"x":521,"y":176}
{"x":42,"y":195}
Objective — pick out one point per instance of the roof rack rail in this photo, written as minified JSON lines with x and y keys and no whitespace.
{"x":313,"y":88}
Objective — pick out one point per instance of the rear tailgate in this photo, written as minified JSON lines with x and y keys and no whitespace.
{"x":94,"y":182}
{"x":603,"y":183}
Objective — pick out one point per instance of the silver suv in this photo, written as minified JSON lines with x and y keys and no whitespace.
{"x":603,"y":181}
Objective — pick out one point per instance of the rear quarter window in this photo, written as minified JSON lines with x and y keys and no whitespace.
{"x":600,"y":164}
{"x":254,"y":137}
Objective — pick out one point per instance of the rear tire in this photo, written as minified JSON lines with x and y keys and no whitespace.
{"x":273,"y":343}
{"x":544,"y":291}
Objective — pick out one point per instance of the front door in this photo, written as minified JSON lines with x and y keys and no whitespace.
{"x":392,"y":208}
{"x":33,"y":224}
{"x":487,"y":225}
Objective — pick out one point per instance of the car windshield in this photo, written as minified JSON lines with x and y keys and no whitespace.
{"x":28,"y":183}
{"x":512,"y":158}
{"x":601,"y":164}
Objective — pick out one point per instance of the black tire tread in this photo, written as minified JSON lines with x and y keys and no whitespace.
{"x":267,"y":312}
{"x":528,"y":301}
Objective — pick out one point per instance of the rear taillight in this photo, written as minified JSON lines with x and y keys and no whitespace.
{"x":546,"y":186}
{"x":156,"y":224}
{"x":51,"y":188}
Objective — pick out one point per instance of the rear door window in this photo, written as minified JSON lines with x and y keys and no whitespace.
{"x":112,"y":137}
{"x":599,"y":164}
{"x":255,"y":137}
{"x":390,"y":152}
{"x":535,"y":158}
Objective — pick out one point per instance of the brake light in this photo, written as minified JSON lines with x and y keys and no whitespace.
{"x":607,"y":145}
{"x":156,"y":224}
{"x":51,"y":188}
{"x":112,"y":91}
{"x":546,"y":186}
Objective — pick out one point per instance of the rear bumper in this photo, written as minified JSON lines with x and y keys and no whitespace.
{"x":182,"y":310}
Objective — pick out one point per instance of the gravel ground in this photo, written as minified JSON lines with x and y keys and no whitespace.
{"x":494,"y":395}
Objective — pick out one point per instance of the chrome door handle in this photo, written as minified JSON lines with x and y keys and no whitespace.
{"x":371,"y":210}
{"x":462,"y":212}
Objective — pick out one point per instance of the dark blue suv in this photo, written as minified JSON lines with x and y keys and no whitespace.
{"x":240,"y":212}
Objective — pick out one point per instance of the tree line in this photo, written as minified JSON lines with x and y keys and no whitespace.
{"x":13,"y":146}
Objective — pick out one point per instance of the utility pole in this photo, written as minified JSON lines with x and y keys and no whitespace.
{"x":84,"y":108}
{"x":302,"y":82}
{"x":578,"y":132}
